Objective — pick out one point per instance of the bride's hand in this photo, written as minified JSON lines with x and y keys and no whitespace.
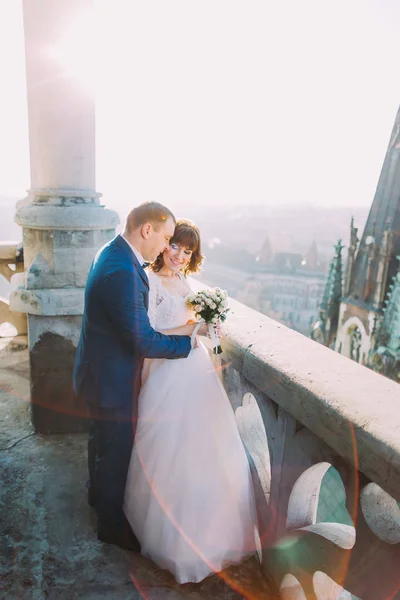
{"x":203,"y":329}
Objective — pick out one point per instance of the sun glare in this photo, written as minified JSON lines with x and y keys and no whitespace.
{"x":77,"y":51}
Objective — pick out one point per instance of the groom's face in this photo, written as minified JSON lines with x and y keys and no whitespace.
{"x":158,"y":239}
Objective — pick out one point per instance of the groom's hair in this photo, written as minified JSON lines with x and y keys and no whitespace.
{"x":148,"y":212}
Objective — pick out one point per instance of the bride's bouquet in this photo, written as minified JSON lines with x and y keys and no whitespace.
{"x":210,"y":306}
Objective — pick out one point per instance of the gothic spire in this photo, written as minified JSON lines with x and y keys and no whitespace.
{"x":327,"y":322}
{"x":383,"y":220}
{"x":333,"y":286}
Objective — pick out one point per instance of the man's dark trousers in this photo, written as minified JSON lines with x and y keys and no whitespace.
{"x":109,"y":453}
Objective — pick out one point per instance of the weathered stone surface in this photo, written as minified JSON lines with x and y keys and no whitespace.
{"x":254,"y":437}
{"x":9,"y":252}
{"x":79,"y":217}
{"x":59,"y":259}
{"x":11,"y":265}
{"x":382,"y":513}
{"x":68,"y":327}
{"x":291,"y":588}
{"x":16,"y":319}
{"x":48,"y":302}
{"x":345,"y":404}
{"x":54,"y":406}
{"x":305,"y":504}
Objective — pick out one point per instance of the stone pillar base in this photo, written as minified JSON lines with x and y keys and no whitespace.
{"x":54,"y":407}
{"x":62,"y":234}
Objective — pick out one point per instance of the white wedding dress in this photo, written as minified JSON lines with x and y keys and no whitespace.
{"x":189,"y":497}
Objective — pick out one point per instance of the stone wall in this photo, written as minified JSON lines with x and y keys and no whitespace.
{"x":323,"y":438}
{"x":11,"y":263}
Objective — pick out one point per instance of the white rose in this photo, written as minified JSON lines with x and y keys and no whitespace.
{"x":198,"y":308}
{"x":214,"y":320}
{"x":213,"y":305}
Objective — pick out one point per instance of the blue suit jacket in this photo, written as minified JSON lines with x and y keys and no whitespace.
{"x":116,"y":333}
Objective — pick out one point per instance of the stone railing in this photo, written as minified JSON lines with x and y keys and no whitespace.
{"x":11,"y":262}
{"x":323,"y":437}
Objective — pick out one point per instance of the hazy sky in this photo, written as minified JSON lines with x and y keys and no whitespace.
{"x":227,"y":102}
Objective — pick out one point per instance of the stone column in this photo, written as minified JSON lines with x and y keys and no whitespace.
{"x":62,"y":219}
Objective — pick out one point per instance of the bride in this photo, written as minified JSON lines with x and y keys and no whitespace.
{"x":188,"y":496}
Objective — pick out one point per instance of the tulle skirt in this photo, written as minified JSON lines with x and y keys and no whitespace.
{"x":189,"y":495}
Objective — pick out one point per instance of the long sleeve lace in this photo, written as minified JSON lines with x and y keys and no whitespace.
{"x":165,"y":311}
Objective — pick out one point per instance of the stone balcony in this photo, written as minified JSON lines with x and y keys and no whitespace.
{"x":323,"y":439}
{"x":11,"y":263}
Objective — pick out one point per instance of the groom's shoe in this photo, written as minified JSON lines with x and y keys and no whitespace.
{"x":123,"y":539}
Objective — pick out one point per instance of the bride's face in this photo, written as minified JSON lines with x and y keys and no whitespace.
{"x":176,"y":257}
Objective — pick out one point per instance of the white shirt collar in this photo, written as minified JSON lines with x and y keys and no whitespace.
{"x":135,"y":252}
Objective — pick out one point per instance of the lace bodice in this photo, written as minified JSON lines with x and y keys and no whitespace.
{"x":166,"y":311}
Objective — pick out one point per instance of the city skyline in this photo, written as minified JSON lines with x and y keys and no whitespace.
{"x":224,"y":103}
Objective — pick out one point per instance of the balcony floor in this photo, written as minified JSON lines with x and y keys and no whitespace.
{"x":48,"y":545}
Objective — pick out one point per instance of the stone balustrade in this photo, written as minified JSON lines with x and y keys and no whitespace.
{"x":11,"y":262}
{"x":323,"y":438}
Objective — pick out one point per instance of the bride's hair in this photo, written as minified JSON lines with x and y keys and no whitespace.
{"x":186,"y":234}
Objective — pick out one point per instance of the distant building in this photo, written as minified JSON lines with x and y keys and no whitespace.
{"x":266,"y":255}
{"x":285,"y":288}
{"x":312,"y":259}
{"x":363,"y":321}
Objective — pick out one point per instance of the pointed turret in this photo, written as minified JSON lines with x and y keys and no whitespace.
{"x":353,"y":245}
{"x":365,"y":284}
{"x":333,"y":287}
{"x":330,"y":303}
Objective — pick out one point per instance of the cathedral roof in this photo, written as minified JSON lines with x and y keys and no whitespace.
{"x":384,"y":218}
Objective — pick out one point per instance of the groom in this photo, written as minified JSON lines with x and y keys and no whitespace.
{"x":116,"y":337}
